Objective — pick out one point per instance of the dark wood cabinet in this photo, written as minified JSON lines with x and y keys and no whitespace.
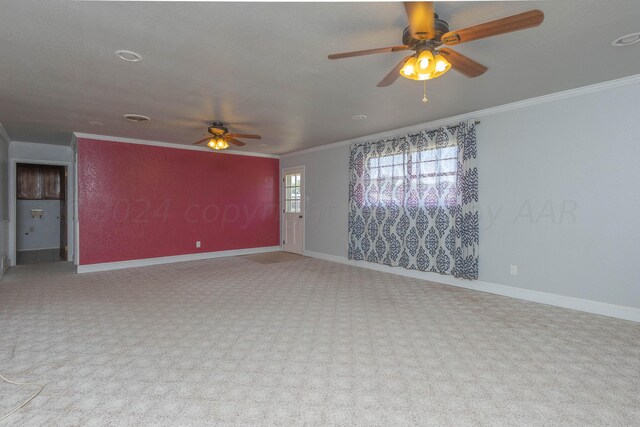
{"x":50,"y":182}
{"x":37,"y":182}
{"x":29,"y":182}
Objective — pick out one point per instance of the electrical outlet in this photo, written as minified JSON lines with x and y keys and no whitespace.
{"x":513,"y":270}
{"x":197,"y":243}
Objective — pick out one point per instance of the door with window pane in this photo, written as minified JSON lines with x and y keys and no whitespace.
{"x":293,"y":210}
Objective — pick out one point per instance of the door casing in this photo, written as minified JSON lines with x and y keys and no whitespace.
{"x":70,"y":193}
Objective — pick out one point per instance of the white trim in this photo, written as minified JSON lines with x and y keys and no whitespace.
{"x":5,"y":266}
{"x":90,"y":268}
{"x":4,"y":245}
{"x":4,"y":223}
{"x":39,"y":249}
{"x":588,"y":306}
{"x":624,"y":81}
{"x":76,"y":208}
{"x":107,"y":138}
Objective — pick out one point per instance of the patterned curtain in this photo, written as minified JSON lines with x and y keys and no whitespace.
{"x":414,"y":201}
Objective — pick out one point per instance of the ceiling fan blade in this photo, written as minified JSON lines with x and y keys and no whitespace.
{"x":368,"y":52}
{"x":201,"y":141}
{"x":421,"y":19}
{"x":234,"y":141}
{"x":463,"y":64}
{"x":533,"y":18}
{"x":393,"y":74}
{"x":244,"y":135}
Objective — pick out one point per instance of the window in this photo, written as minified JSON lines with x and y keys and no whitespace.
{"x":392,"y":176}
{"x":292,"y":190}
{"x":413,"y":201}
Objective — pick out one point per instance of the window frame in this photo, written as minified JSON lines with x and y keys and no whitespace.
{"x":412,"y":173}
{"x":293,"y":201}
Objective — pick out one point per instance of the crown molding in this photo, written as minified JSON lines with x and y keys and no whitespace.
{"x":570,"y":93}
{"x":107,"y":138}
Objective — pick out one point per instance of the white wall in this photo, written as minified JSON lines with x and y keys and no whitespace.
{"x":558,"y":194}
{"x":4,"y":199}
{"x":40,"y":152}
{"x":326,"y":197}
{"x":39,"y":233}
{"x":28,"y":152}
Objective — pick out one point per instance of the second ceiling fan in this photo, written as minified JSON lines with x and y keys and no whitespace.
{"x":426,"y":34}
{"x":220,"y":137}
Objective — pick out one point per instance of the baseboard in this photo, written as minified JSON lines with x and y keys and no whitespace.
{"x":4,"y":233}
{"x":4,"y":265}
{"x":37,"y":249}
{"x":91,"y":268}
{"x":588,"y":306}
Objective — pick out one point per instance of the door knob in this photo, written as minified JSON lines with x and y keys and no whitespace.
{"x":300,"y":216}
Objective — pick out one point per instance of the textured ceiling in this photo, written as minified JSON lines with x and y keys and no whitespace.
{"x":263,"y":68}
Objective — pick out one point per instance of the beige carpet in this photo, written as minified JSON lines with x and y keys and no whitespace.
{"x":273,"y":257}
{"x":234,"y":342}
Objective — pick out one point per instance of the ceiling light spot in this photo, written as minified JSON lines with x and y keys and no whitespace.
{"x":136,"y":118}
{"x":626,"y":40}
{"x":359,"y":117}
{"x":96,"y":123}
{"x":129,"y":56}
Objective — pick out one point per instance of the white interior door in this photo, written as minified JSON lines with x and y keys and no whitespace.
{"x":293,"y":210}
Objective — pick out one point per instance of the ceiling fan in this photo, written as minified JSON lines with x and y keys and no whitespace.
{"x":220,"y":137}
{"x":426,"y":34}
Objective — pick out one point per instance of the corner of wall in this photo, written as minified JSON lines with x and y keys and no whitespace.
{"x":4,"y":199}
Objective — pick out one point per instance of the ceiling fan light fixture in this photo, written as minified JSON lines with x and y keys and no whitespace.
{"x":426,"y":62}
{"x":441,"y":66}
{"x":408,"y":70}
{"x":217,"y":144}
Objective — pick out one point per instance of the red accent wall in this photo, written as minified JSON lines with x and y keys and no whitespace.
{"x":141,"y":201}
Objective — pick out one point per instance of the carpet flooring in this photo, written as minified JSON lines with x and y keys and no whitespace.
{"x":272,"y":257}
{"x":231,"y":341}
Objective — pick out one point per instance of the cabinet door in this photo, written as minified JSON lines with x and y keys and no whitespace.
{"x":50,"y":182}
{"x":28,"y":182}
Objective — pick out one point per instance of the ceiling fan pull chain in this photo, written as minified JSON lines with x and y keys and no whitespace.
{"x":424,"y":99}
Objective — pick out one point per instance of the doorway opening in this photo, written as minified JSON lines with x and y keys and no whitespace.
{"x":41,"y":213}
{"x":293,"y":210}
